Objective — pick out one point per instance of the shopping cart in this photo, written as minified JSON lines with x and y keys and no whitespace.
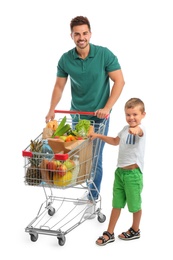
{"x":60,"y":213}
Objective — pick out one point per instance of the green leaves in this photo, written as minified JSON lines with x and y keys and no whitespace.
{"x":62,"y":128}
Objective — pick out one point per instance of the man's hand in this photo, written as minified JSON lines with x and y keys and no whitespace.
{"x":50,"y":116}
{"x":102,"y":113}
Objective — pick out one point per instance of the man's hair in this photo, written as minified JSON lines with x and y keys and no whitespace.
{"x":133,"y":102}
{"x":79,"y":20}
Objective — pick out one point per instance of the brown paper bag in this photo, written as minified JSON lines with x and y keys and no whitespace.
{"x":83,"y":148}
{"x":47,"y":175}
{"x":47,"y":133}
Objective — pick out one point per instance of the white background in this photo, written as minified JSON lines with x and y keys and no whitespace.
{"x":34,"y":34}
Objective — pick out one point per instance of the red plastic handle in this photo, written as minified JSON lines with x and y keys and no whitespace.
{"x":27,"y":154}
{"x":77,"y":112}
{"x":74,"y":112}
{"x":57,"y":156}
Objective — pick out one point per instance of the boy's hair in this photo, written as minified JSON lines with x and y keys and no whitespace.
{"x":79,"y":20}
{"x":133,"y":102}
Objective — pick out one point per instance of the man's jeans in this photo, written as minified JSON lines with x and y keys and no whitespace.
{"x":98,"y":172}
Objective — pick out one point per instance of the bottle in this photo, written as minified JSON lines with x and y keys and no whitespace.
{"x":76,"y":169}
{"x":46,"y":149}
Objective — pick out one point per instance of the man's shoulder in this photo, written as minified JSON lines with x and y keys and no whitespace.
{"x":68,"y":54}
{"x":98,"y":47}
{"x":101,"y":51}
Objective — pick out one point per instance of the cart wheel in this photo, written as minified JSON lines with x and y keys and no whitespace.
{"x":34,"y":237}
{"x":61,"y":240}
{"x":51,"y":211}
{"x":101,"y":218}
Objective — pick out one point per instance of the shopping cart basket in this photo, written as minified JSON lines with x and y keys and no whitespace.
{"x":59,"y":214}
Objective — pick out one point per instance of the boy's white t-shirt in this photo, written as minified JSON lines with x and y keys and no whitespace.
{"x":131,"y":148}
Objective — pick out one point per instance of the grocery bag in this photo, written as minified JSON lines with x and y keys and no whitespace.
{"x":83,"y":148}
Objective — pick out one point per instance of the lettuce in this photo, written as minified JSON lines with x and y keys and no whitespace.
{"x":82,"y":127}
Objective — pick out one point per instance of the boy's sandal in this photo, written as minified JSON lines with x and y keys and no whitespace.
{"x":130,"y":234}
{"x":105,"y":241}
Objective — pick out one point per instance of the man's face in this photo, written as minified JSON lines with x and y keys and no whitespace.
{"x":81,"y":36}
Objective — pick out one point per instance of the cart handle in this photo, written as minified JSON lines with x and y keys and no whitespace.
{"x":74,"y":112}
{"x":77,"y":112}
{"x":57,"y":156}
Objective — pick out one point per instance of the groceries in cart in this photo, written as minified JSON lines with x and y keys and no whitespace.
{"x":61,"y":156}
{"x":64,"y":131}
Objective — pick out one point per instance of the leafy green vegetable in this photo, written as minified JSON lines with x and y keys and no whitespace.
{"x":60,"y":126}
{"x":82,"y":127}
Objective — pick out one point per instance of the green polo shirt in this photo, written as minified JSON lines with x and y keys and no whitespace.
{"x":90,"y":84}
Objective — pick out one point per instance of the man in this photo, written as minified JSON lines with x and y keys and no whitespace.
{"x":90,"y":68}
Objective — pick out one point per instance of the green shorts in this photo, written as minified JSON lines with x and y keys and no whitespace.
{"x":127,"y":188}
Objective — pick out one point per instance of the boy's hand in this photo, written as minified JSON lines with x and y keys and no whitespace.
{"x":135,"y":131}
{"x":92,"y":136}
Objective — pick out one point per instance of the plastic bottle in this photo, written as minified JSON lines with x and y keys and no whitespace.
{"x":76,"y":168}
{"x":46,"y":149}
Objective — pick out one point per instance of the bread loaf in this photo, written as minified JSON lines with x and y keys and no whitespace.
{"x":52,"y":125}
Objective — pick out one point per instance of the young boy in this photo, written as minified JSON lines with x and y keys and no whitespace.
{"x":128,"y":181}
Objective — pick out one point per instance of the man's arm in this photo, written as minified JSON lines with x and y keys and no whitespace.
{"x":56,"y":96}
{"x":118,"y":79}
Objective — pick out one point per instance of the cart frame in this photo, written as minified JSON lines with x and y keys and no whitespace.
{"x":73,"y":215}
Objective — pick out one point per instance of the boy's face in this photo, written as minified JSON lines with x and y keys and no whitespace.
{"x":134,"y":116}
